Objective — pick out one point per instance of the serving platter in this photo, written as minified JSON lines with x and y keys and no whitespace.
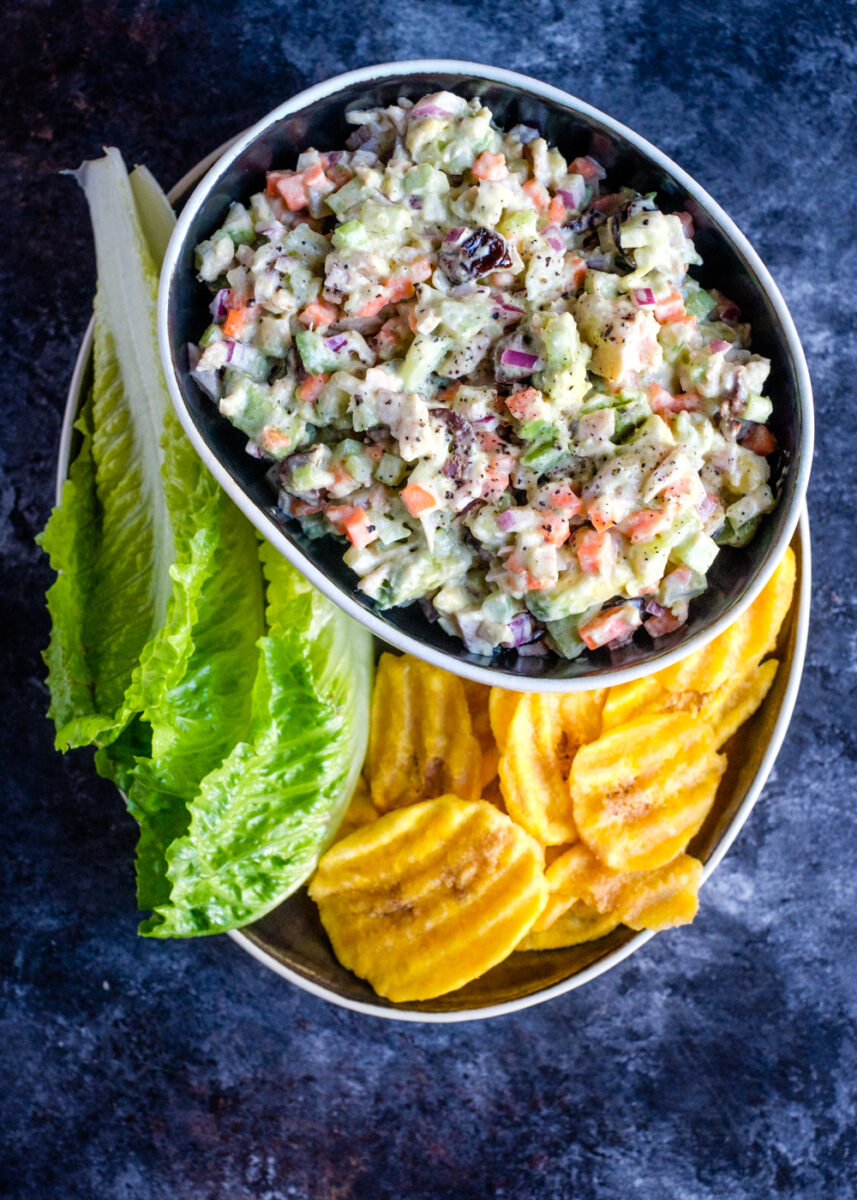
{"x":291,"y":941}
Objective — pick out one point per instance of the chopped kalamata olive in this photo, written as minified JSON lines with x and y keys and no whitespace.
{"x":457,"y":425}
{"x":470,"y":253}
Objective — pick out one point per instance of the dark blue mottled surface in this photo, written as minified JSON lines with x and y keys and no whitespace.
{"x":720,"y":1062}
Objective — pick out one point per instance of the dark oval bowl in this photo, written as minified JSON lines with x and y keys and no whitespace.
{"x":316,"y":118}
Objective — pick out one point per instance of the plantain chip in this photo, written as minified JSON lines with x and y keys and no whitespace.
{"x":421,"y":742}
{"x":430,"y":896}
{"x":480,"y":719}
{"x":643,"y":789}
{"x":361,"y":811}
{"x":578,"y":923}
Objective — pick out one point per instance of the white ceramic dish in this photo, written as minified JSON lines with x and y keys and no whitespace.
{"x":315,"y":117}
{"x":291,"y":942}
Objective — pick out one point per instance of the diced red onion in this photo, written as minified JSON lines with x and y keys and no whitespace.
{"x":440,"y":104}
{"x":484,"y":420}
{"x":240,"y":356}
{"x":524,"y":134}
{"x":707,"y":505}
{"x":523,"y":629}
{"x":507,"y":520}
{"x":454,"y":235}
{"x":415,"y":201}
{"x":553,"y":237}
{"x":334,"y":156}
{"x":253,"y":450}
{"x":716,"y":346}
{"x":336,"y":343}
{"x":644,"y":295}
{"x":568,"y":198}
{"x":518,"y":358}
{"x":500,"y":302}
{"x":221,"y":304}
{"x":207,"y":380}
{"x":532,"y":649}
{"x":655,"y":609}
{"x":730,"y":313}
{"x":429,"y":611}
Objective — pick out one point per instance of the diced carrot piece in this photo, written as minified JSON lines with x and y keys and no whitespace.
{"x":398,"y":288}
{"x":293,"y":192}
{"x":274,"y":439}
{"x":578,"y":269}
{"x":358,"y":528}
{"x":412,"y":319}
{"x":374,"y":305}
{"x":595,"y":551}
{"x":489,"y":440}
{"x":607,"y":626}
{"x":678,"y":488}
{"x":556,"y":211}
{"x":531,"y":582}
{"x":449,"y":393}
{"x":687,"y":223}
{"x":661,"y":400}
{"x":688,"y":321}
{"x":665,"y":623}
{"x":310,"y":388}
{"x":419,"y":271}
{"x":417,"y":499}
{"x":562,"y":496}
{"x":497,"y":476}
{"x":489,"y":166}
{"x":318,"y":314}
{"x":556,"y":529}
{"x":338,"y":513}
{"x":587,"y":167}
{"x":538,"y":194}
{"x":339,"y":473}
{"x":302,"y":508}
{"x":599,"y":517}
{"x":670,"y":308}
{"x":235,"y":321}
{"x":521,"y":404}
{"x":272,"y":181}
{"x":376,"y":453}
{"x":760,"y":440}
{"x":314,"y":177}
{"x":645,"y":523}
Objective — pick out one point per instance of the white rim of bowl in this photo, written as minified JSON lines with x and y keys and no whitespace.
{"x":368,"y":1008}
{"x":267,"y":527}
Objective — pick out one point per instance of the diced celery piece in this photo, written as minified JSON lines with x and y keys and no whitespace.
{"x":239,"y":225}
{"x":697,"y":552}
{"x":423,"y":356}
{"x":568,"y":641}
{"x":351,"y":237}
{"x":348,"y":195}
{"x":425,"y":178}
{"x":758,"y":408}
{"x":519,"y":223}
{"x":318,"y":358}
{"x":212,"y":334}
{"x":699,"y":302}
{"x":390,"y":470}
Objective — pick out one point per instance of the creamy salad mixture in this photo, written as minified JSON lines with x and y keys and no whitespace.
{"x":492,"y":379}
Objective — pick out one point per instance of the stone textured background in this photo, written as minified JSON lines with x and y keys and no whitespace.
{"x":717,"y":1064}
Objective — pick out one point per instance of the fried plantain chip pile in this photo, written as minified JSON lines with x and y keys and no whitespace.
{"x":489,"y":821}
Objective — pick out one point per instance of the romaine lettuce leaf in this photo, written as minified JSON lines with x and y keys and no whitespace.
{"x":261,"y":820}
{"x":116,"y":595}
